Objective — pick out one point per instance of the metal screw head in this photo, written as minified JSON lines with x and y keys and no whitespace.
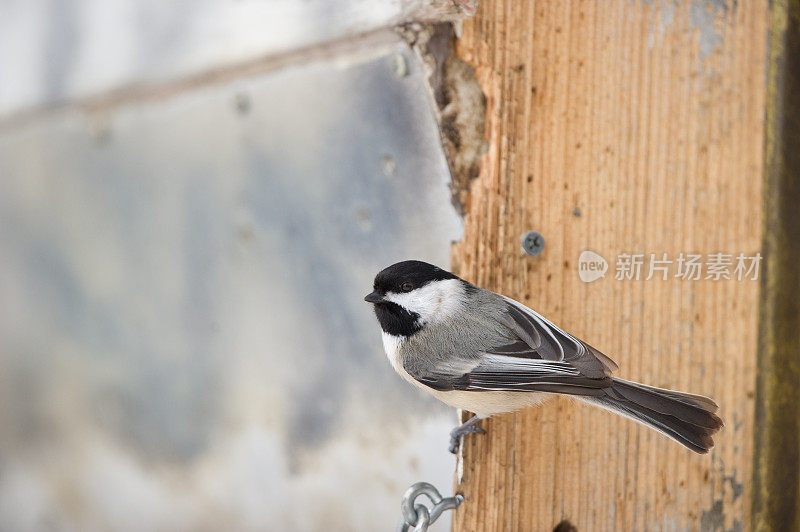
{"x":532,"y":243}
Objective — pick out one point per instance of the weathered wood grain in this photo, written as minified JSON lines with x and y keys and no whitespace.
{"x":621,"y":127}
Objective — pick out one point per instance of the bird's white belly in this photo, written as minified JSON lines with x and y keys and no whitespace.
{"x":483,"y":404}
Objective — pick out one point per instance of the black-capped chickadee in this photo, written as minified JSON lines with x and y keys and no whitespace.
{"x":485,"y":353}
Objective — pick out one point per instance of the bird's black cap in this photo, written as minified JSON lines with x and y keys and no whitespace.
{"x":415,"y":272}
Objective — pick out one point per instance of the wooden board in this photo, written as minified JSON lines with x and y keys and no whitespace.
{"x":776,"y":484}
{"x":620,"y":127}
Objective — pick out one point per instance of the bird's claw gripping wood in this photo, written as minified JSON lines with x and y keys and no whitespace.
{"x":462,"y":430}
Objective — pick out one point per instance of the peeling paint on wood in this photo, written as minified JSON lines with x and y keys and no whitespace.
{"x":460,"y":105}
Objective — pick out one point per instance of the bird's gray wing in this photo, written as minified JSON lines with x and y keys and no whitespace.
{"x":542,"y":358}
{"x":540,"y":337}
{"x":492,"y":372}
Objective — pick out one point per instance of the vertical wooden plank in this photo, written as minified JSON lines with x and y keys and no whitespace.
{"x":776,"y":497}
{"x":621,"y":127}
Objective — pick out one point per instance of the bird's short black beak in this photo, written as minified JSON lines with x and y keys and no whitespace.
{"x":374,"y":297}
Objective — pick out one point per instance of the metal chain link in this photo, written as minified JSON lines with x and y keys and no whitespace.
{"x":418,"y":515}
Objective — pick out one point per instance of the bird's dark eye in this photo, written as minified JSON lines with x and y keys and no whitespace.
{"x":407,"y":287}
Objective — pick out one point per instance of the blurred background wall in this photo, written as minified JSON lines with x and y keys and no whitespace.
{"x":194,"y":198}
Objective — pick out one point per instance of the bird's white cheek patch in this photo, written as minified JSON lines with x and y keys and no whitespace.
{"x":434,"y":301}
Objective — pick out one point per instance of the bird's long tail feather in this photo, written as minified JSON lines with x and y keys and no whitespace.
{"x":688,"y":419}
